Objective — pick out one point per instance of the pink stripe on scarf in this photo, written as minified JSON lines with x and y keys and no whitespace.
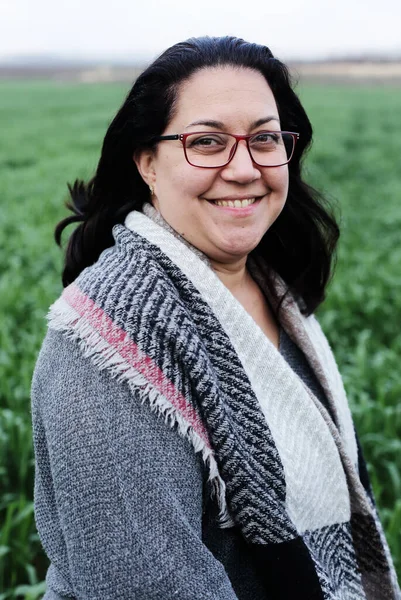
{"x":118,"y":339}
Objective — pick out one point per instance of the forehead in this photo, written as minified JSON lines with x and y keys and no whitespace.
{"x":225,"y":94}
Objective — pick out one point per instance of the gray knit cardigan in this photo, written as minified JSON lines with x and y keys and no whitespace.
{"x":178,"y":455}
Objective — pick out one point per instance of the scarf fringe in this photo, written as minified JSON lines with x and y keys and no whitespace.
{"x":63,"y":317}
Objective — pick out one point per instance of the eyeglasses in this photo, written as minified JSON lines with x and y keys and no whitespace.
{"x":214,"y":149}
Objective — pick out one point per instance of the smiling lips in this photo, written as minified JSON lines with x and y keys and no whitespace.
{"x":236,"y":202}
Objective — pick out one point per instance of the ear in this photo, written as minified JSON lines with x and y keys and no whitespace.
{"x":144,"y":160}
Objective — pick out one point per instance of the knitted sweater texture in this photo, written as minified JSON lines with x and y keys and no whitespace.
{"x":248,"y":470}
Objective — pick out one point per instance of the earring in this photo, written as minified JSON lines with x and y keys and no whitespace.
{"x":152,"y":191}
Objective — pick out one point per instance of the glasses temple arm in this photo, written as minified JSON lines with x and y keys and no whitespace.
{"x":160,"y":138}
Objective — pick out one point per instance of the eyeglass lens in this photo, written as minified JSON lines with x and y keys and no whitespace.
{"x":267,"y":149}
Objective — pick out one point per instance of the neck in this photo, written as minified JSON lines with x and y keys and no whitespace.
{"x":234,"y":275}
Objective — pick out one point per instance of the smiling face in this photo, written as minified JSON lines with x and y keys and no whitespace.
{"x":198,"y":202}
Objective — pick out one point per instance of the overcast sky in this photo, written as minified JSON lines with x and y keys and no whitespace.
{"x":143,"y":28}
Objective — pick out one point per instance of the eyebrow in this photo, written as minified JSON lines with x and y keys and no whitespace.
{"x":220,"y":125}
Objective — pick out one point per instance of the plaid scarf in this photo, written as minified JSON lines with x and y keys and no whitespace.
{"x":153,"y":314}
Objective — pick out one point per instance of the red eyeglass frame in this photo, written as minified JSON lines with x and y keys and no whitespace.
{"x":183,"y":136}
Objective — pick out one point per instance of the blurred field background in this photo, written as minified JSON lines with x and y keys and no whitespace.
{"x":51,"y":133}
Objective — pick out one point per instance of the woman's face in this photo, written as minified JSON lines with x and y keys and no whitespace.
{"x":235,"y":99}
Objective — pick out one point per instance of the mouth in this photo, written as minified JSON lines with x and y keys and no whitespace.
{"x":236,"y":203}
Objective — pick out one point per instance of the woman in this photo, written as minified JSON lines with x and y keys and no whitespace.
{"x":192,"y":435}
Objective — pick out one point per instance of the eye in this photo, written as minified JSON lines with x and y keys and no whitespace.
{"x":266,"y":137}
{"x":205,"y":141}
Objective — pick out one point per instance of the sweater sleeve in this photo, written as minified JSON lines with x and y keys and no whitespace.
{"x":118,"y":493}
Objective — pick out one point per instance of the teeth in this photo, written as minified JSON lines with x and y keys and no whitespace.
{"x":235,"y":203}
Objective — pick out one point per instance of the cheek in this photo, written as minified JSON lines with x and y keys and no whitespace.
{"x":277,"y":179}
{"x":185,"y":180}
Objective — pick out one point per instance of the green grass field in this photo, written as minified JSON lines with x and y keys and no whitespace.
{"x":51,"y":133}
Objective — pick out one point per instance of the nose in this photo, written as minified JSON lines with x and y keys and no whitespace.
{"x":241,"y":168}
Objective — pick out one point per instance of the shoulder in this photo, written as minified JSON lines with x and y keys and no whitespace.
{"x":62,"y":363}
{"x":77,"y":403}
{"x":66,"y":384}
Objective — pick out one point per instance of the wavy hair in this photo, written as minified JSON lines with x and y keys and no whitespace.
{"x":299,"y":246}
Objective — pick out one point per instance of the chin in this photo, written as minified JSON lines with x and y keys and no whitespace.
{"x":241,"y":246}
{"x":237,"y":250}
